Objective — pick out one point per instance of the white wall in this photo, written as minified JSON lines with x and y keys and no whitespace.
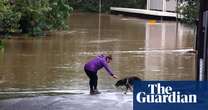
{"x":158,"y":5}
{"x":171,"y":5}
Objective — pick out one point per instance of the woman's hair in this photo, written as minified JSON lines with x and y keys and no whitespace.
{"x":109,"y":57}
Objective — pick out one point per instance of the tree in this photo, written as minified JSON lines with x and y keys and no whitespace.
{"x":9,"y":19}
{"x":189,"y":9}
{"x":33,"y":16}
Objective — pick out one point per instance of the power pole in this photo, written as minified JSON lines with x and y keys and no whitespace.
{"x":202,"y":42}
{"x":148,"y":4}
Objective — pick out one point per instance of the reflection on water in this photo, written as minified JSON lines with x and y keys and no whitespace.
{"x":150,"y":51}
{"x":168,"y":66}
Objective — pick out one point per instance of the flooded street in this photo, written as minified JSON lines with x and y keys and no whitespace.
{"x":145,"y":48}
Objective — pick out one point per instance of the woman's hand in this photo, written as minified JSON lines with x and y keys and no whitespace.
{"x":115,"y":76}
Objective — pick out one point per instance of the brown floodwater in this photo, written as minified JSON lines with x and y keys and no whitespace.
{"x":148,"y":49}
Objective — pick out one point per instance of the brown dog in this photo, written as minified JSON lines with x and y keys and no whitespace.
{"x":127,"y":82}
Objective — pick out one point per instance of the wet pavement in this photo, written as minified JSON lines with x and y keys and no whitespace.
{"x":71,"y":101}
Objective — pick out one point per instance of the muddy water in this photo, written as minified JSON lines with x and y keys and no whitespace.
{"x":148,"y":49}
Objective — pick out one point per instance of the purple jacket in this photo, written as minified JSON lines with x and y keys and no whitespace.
{"x":97,"y":63}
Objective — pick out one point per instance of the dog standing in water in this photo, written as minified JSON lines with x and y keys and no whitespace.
{"x":127,"y":82}
{"x":91,"y":68}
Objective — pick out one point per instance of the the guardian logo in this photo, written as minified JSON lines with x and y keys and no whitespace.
{"x":164,"y":94}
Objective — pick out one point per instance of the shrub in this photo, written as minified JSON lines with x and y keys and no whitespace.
{"x":33,"y":16}
{"x":9,"y":19}
{"x":190,"y":11}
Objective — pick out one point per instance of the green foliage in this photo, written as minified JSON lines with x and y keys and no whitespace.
{"x":58,"y":13}
{"x":34,"y":16}
{"x":9,"y":19}
{"x":190,"y":11}
{"x":93,"y":5}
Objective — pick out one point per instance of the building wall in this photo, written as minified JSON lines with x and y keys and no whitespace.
{"x":171,"y":5}
{"x":158,"y":5}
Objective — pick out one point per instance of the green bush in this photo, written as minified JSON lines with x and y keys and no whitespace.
{"x":58,"y":14}
{"x":9,"y":19}
{"x":190,"y":11}
{"x":33,"y":16}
